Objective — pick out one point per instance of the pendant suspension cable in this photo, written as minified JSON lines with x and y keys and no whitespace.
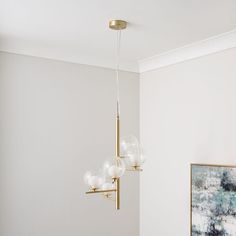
{"x":117,"y":71}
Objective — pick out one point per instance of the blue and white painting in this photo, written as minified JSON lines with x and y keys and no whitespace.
{"x":213,"y":200}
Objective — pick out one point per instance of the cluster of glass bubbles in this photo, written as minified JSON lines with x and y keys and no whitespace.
{"x":131,"y":157}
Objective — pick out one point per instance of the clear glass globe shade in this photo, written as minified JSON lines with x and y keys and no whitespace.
{"x":114,"y":169}
{"x":129,"y":145}
{"x":107,"y":186}
{"x":135,"y":160}
{"x":93,"y":181}
{"x":106,"y":166}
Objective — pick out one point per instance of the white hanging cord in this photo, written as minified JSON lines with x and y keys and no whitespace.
{"x":117,"y":72}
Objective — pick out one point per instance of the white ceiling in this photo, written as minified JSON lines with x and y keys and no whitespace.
{"x":77,"y":30}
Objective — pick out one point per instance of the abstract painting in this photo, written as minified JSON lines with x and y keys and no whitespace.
{"x":213,"y":200}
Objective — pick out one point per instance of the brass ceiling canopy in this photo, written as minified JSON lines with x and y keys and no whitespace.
{"x":117,"y":24}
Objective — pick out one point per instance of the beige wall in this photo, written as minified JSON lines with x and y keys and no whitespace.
{"x":57,"y":121}
{"x":187,"y":114}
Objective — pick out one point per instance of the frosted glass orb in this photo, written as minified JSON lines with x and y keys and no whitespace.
{"x":129,"y":145}
{"x":114,"y":169}
{"x":93,"y":181}
{"x":135,"y":160}
{"x":106,"y":166}
{"x":107,"y":186}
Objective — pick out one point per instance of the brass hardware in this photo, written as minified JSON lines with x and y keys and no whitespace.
{"x":107,"y":195}
{"x":117,"y":136}
{"x":118,"y":194}
{"x":137,"y":168}
{"x":117,"y":181}
{"x":101,"y":191}
{"x":117,"y":24}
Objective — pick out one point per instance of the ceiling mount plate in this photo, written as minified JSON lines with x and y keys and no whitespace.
{"x":117,"y":24}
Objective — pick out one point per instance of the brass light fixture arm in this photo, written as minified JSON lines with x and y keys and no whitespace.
{"x":133,"y":169}
{"x":101,"y":191}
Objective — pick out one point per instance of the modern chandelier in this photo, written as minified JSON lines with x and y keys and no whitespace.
{"x":128,"y":153}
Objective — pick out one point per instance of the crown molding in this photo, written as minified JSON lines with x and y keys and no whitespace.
{"x":102,"y":63}
{"x":198,"y":49}
{"x":34,"y":48}
{"x":202,"y":48}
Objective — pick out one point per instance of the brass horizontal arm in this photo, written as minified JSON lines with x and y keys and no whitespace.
{"x":134,"y":169}
{"x":101,"y":191}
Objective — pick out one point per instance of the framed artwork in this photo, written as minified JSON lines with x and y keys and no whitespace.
{"x":213,"y":200}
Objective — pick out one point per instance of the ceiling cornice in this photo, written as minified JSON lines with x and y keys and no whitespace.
{"x":202,"y":48}
{"x":82,"y":60}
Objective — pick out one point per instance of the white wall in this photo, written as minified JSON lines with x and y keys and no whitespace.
{"x":57,"y":121}
{"x":187,"y":114}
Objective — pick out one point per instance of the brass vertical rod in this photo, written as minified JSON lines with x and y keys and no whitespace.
{"x":118,"y":194}
{"x":117,"y":156}
{"x":117,"y":136}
